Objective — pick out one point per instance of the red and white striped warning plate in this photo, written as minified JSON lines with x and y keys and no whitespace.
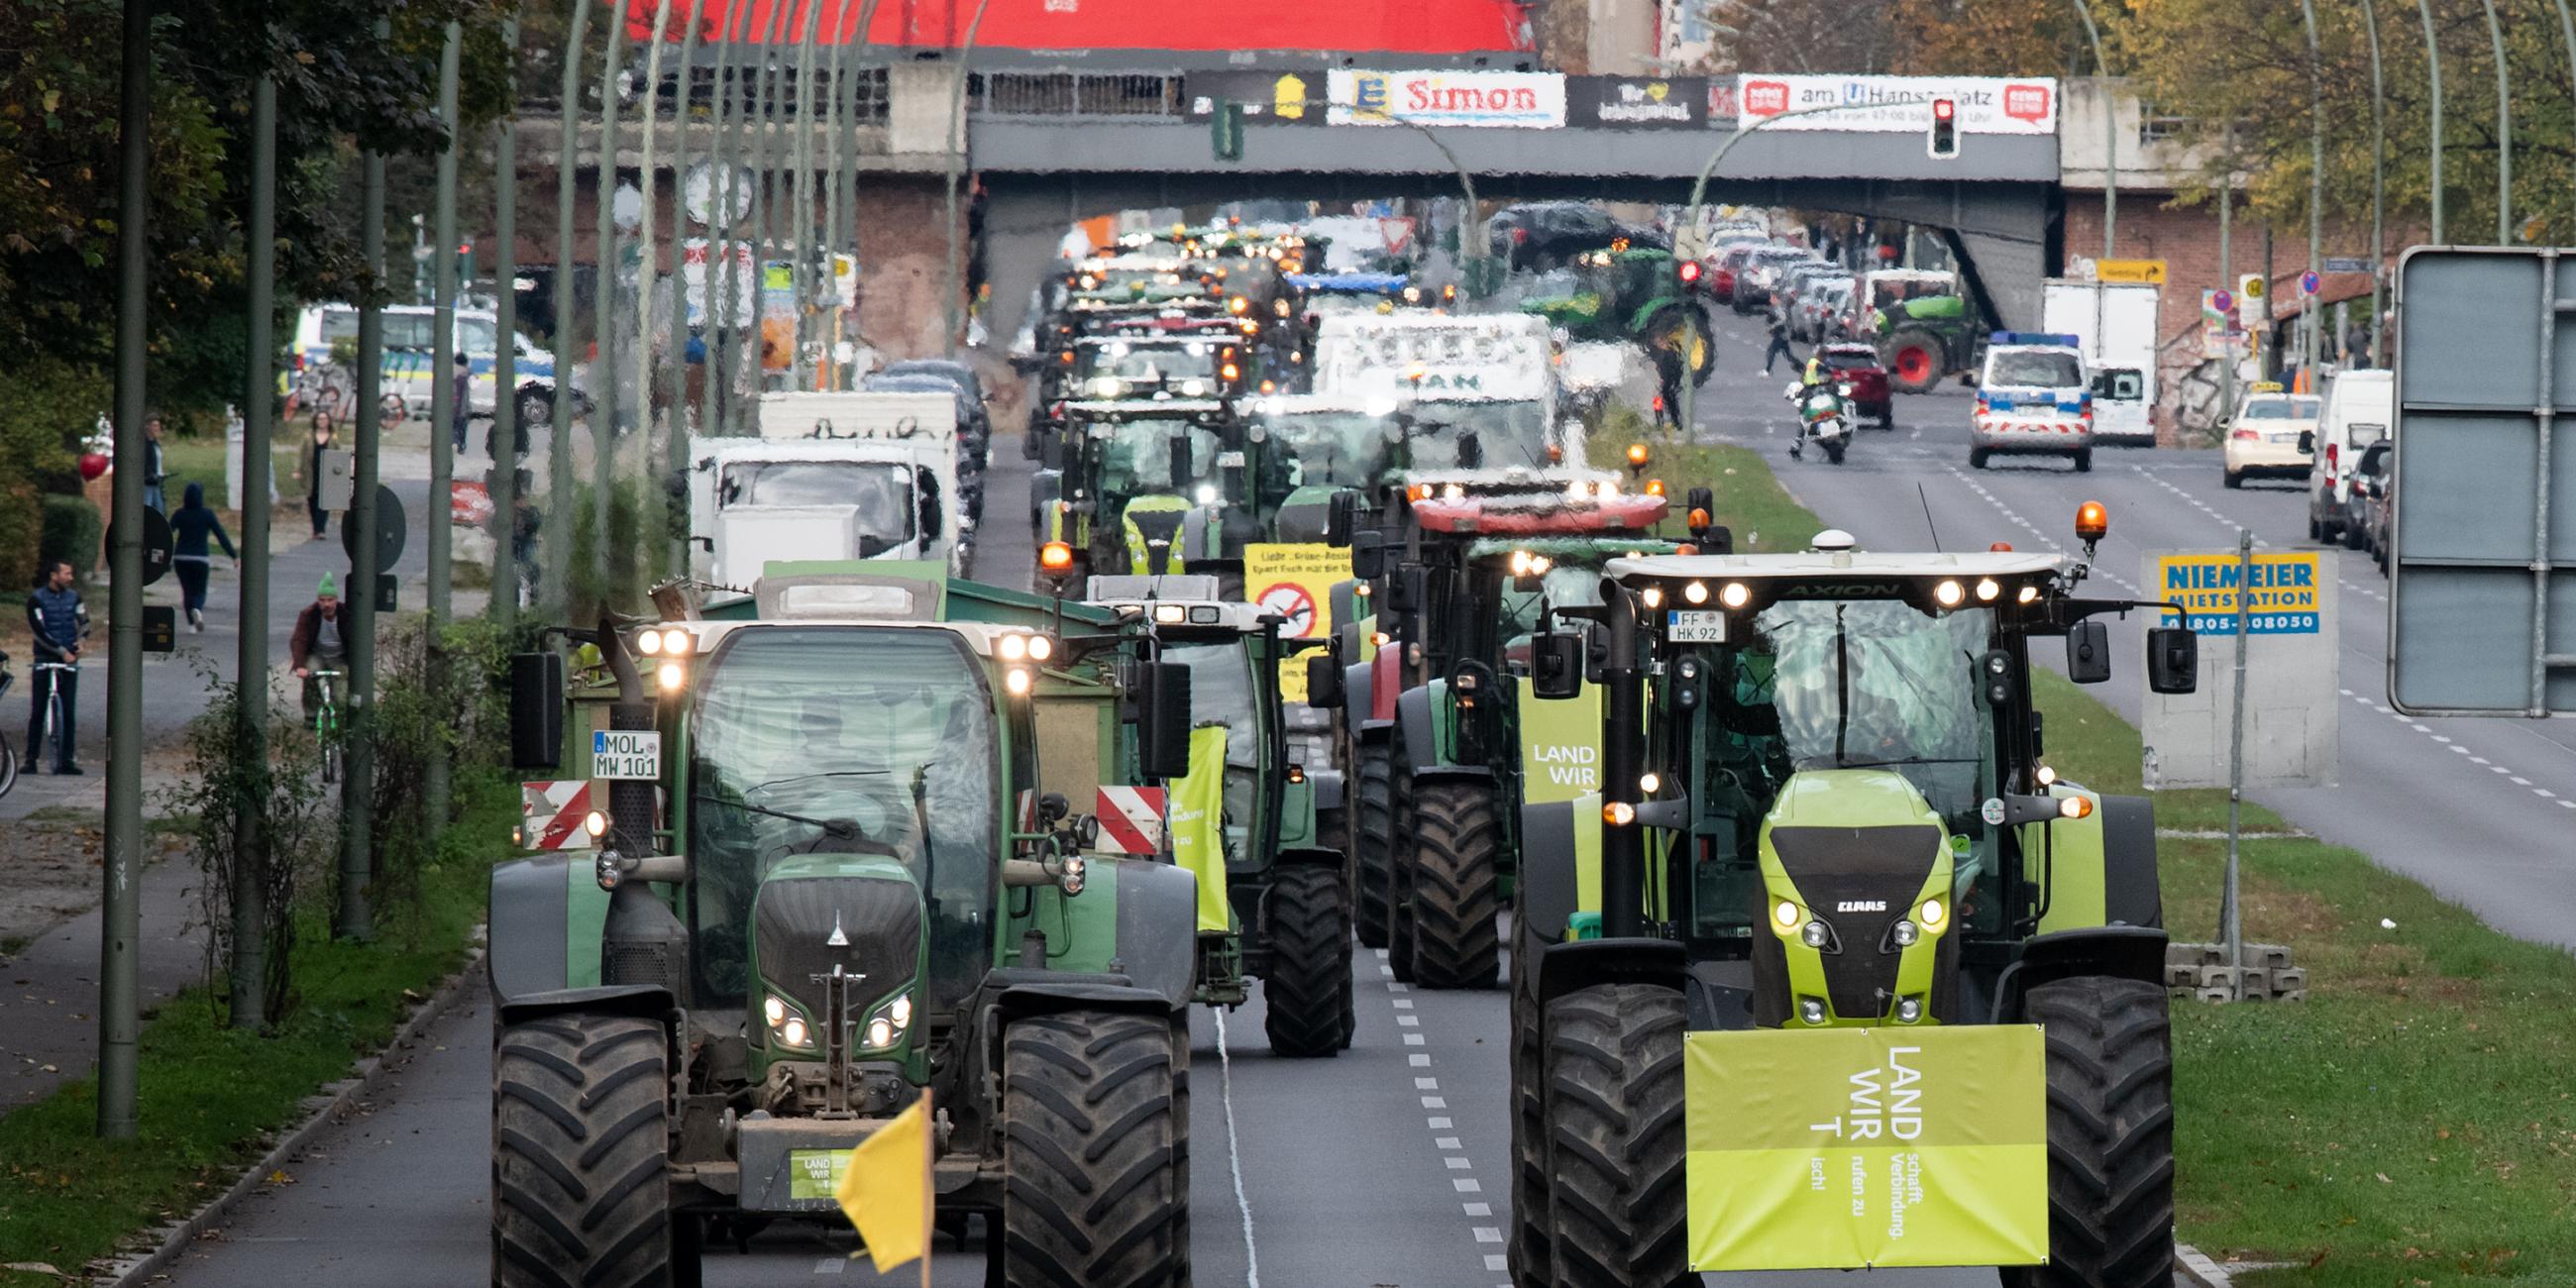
{"x":1986,"y":426}
{"x":551,"y":814}
{"x":1131,"y":820}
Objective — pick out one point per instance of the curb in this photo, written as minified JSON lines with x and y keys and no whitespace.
{"x":2193,"y":1266}
{"x":323,"y":1111}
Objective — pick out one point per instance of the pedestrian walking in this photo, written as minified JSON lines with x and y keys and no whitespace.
{"x":189,"y":529}
{"x":153,"y":472}
{"x":1779,"y":342}
{"x":525,"y":518}
{"x":2356,"y":346}
{"x":312,"y":466}
{"x":58,"y":620}
{"x":461,"y":405}
{"x":318,"y":644}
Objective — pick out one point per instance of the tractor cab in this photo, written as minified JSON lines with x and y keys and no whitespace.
{"x":1139,"y":486}
{"x":1638,"y":295}
{"x":1825,"y":809}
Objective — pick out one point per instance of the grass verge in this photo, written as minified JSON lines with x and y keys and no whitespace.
{"x":2413,"y":1122}
{"x":212,"y":1097}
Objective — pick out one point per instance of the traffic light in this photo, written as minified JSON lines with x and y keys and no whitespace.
{"x":1944,"y":140}
{"x":1226,"y":131}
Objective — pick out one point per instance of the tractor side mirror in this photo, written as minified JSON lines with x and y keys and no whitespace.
{"x":1718,"y":540}
{"x":2308,"y":440}
{"x":1368,"y":555}
{"x":2173,"y":659}
{"x":1341,"y":519}
{"x":1163,"y":720}
{"x":536,"y":710}
{"x":1556,"y":665}
{"x":2088,"y":652}
{"x":1324,"y":682}
{"x":1052,"y":809}
{"x":1406,"y":590}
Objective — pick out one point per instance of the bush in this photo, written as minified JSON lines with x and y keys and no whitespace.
{"x":45,"y":407}
{"x":73,"y":530}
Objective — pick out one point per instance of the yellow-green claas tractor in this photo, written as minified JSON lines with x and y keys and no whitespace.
{"x":842,"y":864}
{"x":1835,"y":971}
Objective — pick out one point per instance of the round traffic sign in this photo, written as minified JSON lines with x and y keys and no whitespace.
{"x":2222,"y":300}
{"x":1291,"y":601}
{"x":391,"y":530}
{"x":157,"y":544}
{"x":2309,"y":282}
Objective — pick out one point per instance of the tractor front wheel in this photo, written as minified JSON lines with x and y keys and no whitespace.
{"x":1613,"y":1112}
{"x":1306,"y":998}
{"x":580,"y":1124}
{"x":1373,"y":840}
{"x":1094,"y":1147}
{"x":1456,"y":838}
{"x":1914,"y":359}
{"x":2110,"y":1135}
{"x":1528,"y":1254}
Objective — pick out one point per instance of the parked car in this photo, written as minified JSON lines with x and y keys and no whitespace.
{"x":1728,"y":268}
{"x":1793,"y":282}
{"x":1761,"y":272}
{"x":2358,"y":411}
{"x":2381,"y":511}
{"x":1819,"y":310}
{"x":1856,"y":364}
{"x":2266,"y":437}
{"x":2369,"y":485}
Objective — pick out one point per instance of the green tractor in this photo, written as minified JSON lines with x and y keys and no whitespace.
{"x":1132,"y":486}
{"x":1259,"y":829}
{"x":1645,"y":297}
{"x":1439,"y":735}
{"x":1827,"y":853}
{"x":837,"y":870}
{"x":1923,"y":340}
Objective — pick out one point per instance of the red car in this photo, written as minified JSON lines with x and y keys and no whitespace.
{"x":1857,"y":365}
{"x":1730,"y":263}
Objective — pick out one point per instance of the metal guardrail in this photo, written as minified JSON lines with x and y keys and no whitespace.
{"x":1046,"y":94}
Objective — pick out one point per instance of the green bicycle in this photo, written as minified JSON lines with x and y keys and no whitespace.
{"x":326,"y":720}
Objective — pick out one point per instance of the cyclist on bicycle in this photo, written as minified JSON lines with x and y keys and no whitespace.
{"x":320,"y":644}
{"x":58,"y":620}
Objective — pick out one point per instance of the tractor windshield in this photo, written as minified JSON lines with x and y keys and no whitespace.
{"x":842,"y":740}
{"x":1328,"y":448}
{"x":1150,"y":456}
{"x":1864,"y":683}
{"x":1479,"y":435}
{"x":1222,"y":691}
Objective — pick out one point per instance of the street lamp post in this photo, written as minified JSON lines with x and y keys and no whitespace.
{"x":603,"y":312}
{"x":956,"y":162}
{"x":800,"y":268}
{"x":646,"y":173}
{"x":2316,"y":182}
{"x":675,"y":359}
{"x":2378,"y":167}
{"x":2433,"y":69}
{"x":2567,"y":32}
{"x":250,"y":908}
{"x":444,"y":412}
{"x":559,"y":468}
{"x":2110,"y":132}
{"x":2504,"y":131}
{"x":506,"y":430}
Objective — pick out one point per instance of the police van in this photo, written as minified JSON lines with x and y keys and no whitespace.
{"x":2034,"y":398}
{"x":410,"y":340}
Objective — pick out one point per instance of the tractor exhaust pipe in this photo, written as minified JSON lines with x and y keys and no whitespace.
{"x":1623,"y":733}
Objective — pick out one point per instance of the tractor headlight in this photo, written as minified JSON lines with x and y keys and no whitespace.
{"x":2027,"y":595}
{"x":1650,"y":783}
{"x":1908,"y":1010}
{"x":595,"y":823}
{"x":773,"y":1010}
{"x":1653,"y":596}
{"x":1040,"y":648}
{"x":901,"y":1011}
{"x":793,"y":1031}
{"x":648,"y":642}
{"x":1904,"y":934}
{"x":1735,"y":595}
{"x":1948,"y":594}
{"x":1077,"y":871}
{"x":1932,"y":913}
{"x":1454,"y":492}
{"x":1014,"y":647}
{"x":1815,"y":934}
{"x":880,"y":1033}
{"x":672,"y":676}
{"x":1786,"y":916}
{"x":2045,"y":775}
{"x":1811,"y":1009}
{"x":1207,"y":494}
{"x":1695,"y":591}
{"x":677,"y":643}
{"x":1017,"y":681}
{"x":1987,"y":590}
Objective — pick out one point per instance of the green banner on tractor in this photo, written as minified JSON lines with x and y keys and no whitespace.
{"x":1857,"y":1148}
{"x":1198,"y":824}
{"x":1560,"y":745}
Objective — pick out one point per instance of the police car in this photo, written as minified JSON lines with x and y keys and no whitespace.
{"x":2033,"y":399}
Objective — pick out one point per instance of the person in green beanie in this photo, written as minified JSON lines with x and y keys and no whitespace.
{"x":320,"y":647}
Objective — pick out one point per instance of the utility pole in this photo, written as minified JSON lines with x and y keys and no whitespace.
{"x":675,"y":367}
{"x":723,"y":284}
{"x":2378,"y":169}
{"x":956,"y":163}
{"x":2433,"y":69}
{"x":2308,"y":315}
{"x":800,"y":265}
{"x":357,"y":809}
{"x":2504,"y":132}
{"x":250,"y":669}
{"x":560,"y":494}
{"x":504,"y":605}
{"x":646,"y":262}
{"x":443,"y":411}
{"x":2227,"y":274}
{"x":603,"y":309}
{"x":121,"y":911}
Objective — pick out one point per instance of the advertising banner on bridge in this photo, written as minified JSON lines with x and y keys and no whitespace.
{"x":1853,"y":1148}
{"x":1287,"y":97}
{"x":1505,"y":100}
{"x":1893,"y":104}
{"x":1638,"y":102}
{"x":2293,"y":723}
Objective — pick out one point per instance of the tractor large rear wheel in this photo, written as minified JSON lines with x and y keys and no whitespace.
{"x":1373,"y":839}
{"x":1456,"y":838}
{"x":1306,"y":998}
{"x":2110,"y":1135}
{"x":1400,"y":959}
{"x":1613,"y":1068}
{"x":1915,"y":358}
{"x":580,"y":1185}
{"x":1528,"y":1248}
{"x":1094,"y":1182}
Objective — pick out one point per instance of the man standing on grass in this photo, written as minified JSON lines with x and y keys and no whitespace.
{"x":57,"y":618}
{"x":153,"y":469}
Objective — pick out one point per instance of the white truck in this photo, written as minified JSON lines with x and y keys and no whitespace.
{"x":831,"y":476}
{"x":2115,"y":324}
{"x":1493,"y":372}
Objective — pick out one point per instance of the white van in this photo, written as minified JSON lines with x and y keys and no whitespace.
{"x":2361,"y":409}
{"x":832,"y":476}
{"x":410,"y":338}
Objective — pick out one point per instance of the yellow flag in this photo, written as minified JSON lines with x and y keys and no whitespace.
{"x":886,"y":1190}
{"x":1198,"y":824}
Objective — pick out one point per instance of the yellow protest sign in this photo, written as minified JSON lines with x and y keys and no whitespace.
{"x":1198,"y":824}
{"x":1295,"y":580}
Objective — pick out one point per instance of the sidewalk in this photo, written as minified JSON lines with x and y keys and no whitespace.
{"x":49,"y":989}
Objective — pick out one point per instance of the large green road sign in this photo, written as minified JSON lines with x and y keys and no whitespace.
{"x":1863,"y":1147}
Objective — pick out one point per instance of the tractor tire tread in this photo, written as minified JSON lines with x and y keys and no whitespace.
{"x":1457,"y":840}
{"x":1372,"y":833}
{"x":1306,"y":999}
{"x":1613,"y":1065}
{"x":2110,"y":1134}
{"x":1094,"y":1152}
{"x":580,"y":1197}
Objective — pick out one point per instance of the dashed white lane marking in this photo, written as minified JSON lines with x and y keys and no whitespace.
{"x":831,"y":1265}
{"x":1452,"y":1147}
{"x":1234,"y":1151}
